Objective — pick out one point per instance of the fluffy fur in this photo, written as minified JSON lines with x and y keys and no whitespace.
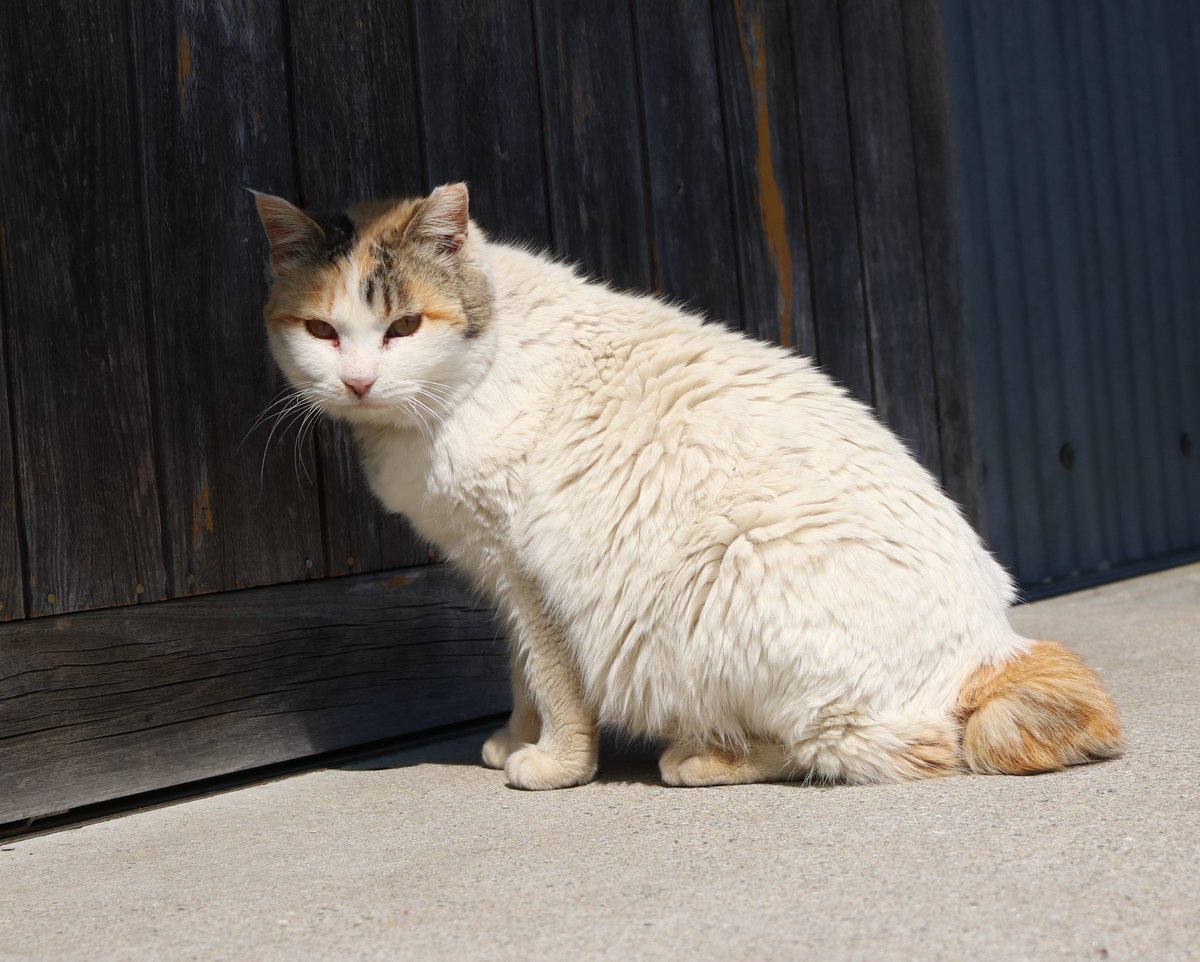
{"x":691,"y":534}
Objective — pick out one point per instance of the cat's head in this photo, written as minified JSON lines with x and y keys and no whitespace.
{"x":381,"y":314}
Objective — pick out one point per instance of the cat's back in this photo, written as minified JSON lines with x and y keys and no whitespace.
{"x":666,"y":421}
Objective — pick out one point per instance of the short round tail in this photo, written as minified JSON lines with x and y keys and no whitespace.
{"x":1038,"y":712}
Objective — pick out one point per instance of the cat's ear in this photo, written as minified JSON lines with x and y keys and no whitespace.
{"x":291,"y":233}
{"x":441,"y":220}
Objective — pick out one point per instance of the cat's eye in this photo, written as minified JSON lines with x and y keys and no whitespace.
{"x":407,"y":325}
{"x":322,"y":329}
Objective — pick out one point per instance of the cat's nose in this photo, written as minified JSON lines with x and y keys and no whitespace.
{"x":359,"y":385}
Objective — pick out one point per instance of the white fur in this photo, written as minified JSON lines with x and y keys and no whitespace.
{"x":719,"y":544}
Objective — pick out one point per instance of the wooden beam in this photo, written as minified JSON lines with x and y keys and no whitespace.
{"x":100,"y":705}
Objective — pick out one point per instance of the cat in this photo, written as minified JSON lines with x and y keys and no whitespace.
{"x":690,"y":535}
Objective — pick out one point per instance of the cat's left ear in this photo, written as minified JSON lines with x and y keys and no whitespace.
{"x":291,"y":233}
{"x":442,"y":219}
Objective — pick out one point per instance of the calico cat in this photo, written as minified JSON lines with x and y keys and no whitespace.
{"x":691,"y":535}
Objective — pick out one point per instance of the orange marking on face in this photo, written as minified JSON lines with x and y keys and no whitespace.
{"x":433,"y":304}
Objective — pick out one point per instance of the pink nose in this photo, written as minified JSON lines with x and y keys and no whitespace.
{"x":359,"y":385}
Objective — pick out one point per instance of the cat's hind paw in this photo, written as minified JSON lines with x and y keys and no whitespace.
{"x":715,"y":766}
{"x":535,"y":769}
{"x":498,"y":748}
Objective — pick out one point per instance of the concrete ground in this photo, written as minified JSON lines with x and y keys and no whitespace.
{"x":425,"y":855}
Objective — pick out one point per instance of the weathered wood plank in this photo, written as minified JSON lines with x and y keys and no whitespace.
{"x":101,"y":705}
{"x":1036,"y":325}
{"x":12,"y":575}
{"x":762,"y":132}
{"x":210,"y":88}
{"x":1146,"y":32}
{"x":692,"y":220}
{"x":479,"y":101}
{"x":885,"y":179}
{"x":1143,"y":304}
{"x":1183,"y":41}
{"x":839,"y":311}
{"x":1086,"y":341}
{"x":1016,"y":410}
{"x":929,"y":110}
{"x":358,"y":136}
{"x":589,"y":93}
{"x":76,"y":311}
{"x":1116,"y":306}
{"x":980,"y":321}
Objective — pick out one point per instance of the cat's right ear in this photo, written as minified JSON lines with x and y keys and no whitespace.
{"x":291,"y":233}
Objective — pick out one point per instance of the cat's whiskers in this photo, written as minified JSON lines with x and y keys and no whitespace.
{"x":285,"y":419}
{"x":269,"y":411}
{"x":308,"y":425}
{"x":415,"y":415}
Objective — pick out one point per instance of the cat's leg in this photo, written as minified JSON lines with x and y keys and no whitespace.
{"x":523,"y":726}
{"x":566,"y":750}
{"x":684,"y":763}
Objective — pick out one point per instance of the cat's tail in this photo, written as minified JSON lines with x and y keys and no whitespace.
{"x":1039,"y":711}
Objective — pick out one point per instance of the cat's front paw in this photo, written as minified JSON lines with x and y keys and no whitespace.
{"x":535,"y":769}
{"x":498,"y":748}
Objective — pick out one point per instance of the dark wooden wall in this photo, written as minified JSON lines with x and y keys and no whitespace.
{"x":783,"y":166}
{"x":1077,"y":143}
{"x":774,"y":164}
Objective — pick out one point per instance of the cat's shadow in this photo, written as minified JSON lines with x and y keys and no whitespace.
{"x":622,"y":760}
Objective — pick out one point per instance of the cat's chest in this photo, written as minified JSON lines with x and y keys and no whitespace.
{"x":457,"y":496}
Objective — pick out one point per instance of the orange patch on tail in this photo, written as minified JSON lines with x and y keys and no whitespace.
{"x":930,"y":755}
{"x":1038,"y":712}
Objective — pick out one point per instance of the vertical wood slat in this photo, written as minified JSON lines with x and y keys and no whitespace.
{"x":930,"y":115}
{"x":1040,"y":356}
{"x":839,"y":311}
{"x":1183,"y":40}
{"x":1076,"y":307}
{"x":762,"y":134}
{"x":358,"y":137}
{"x":479,"y":102}
{"x":885,"y":180}
{"x":1142,"y":306}
{"x":1147,"y":31}
{"x":1016,"y":408}
{"x":76,"y":311}
{"x":1114,"y":300}
{"x":588,"y":74}
{"x":979,"y":287}
{"x":210,"y":85}
{"x":693,"y":229}
{"x":12,"y":572}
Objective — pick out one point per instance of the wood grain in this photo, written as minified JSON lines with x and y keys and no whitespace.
{"x":893,"y":274}
{"x":758,"y":97}
{"x":101,"y":705}
{"x":1036,"y":340}
{"x":212,"y":100}
{"x":355,"y":115}
{"x":929,"y":110}
{"x":695,"y":253}
{"x":979,"y":320}
{"x":1015,"y":407}
{"x":588,"y":75}
{"x":1183,"y":40}
{"x":481,"y":111}
{"x":1084,"y":335}
{"x":76,"y":308}
{"x":12,"y":573}
{"x":1146,"y":32}
{"x":1128,"y":540}
{"x":1143,"y":306}
{"x":839,"y":308}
